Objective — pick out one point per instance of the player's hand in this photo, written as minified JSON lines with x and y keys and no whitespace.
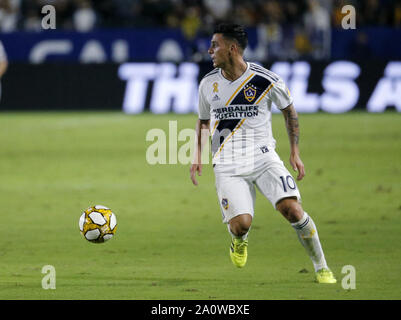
{"x":193,"y":169}
{"x":297,"y":165}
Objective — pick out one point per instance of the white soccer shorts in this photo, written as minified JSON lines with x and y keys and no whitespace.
{"x":237,"y":193}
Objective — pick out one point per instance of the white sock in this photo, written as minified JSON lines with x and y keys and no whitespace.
{"x":245,"y":236}
{"x":308,"y":236}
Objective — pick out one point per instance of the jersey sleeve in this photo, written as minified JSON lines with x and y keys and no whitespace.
{"x":280,"y":94}
{"x":203,"y":105}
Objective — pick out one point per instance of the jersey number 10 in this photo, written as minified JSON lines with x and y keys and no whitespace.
{"x":289,"y":182}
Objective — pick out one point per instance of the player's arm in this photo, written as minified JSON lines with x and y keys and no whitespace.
{"x":3,"y":67}
{"x":202,"y":137}
{"x":292,"y":125}
{"x":3,"y":60}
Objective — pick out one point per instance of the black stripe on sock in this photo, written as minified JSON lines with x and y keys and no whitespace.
{"x":303,"y":224}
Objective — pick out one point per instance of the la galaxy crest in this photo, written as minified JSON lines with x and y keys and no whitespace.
{"x":250,"y":92}
{"x":224,"y":203}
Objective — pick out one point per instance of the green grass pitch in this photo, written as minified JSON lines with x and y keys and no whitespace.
{"x":170,"y":242}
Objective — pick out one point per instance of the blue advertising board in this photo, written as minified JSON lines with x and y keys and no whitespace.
{"x":92,"y":47}
{"x":151,"y":45}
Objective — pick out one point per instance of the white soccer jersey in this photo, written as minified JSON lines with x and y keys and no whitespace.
{"x":240,"y":116}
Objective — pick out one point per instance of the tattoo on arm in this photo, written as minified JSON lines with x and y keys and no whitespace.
{"x":291,"y":122}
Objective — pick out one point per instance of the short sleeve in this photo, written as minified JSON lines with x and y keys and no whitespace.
{"x":280,"y":95}
{"x":203,"y":105}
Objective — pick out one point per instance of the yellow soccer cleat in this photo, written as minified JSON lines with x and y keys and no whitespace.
{"x":239,"y":252}
{"x":325,"y":276}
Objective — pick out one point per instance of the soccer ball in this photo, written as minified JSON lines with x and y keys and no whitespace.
{"x":98,"y":224}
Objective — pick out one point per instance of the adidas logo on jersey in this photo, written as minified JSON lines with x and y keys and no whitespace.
{"x":216,"y":98}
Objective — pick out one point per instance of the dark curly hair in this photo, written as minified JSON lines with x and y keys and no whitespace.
{"x":233,"y":31}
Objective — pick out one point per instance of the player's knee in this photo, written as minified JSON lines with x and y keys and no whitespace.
{"x":290,"y":209}
{"x":239,"y":230}
{"x":241,"y":224}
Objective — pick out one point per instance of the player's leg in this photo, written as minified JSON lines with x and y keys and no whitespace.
{"x":236,"y":197}
{"x":239,"y":225}
{"x":280,"y":188}
{"x":307,"y":234}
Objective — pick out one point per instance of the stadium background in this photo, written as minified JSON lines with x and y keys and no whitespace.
{"x":93,"y":39}
{"x":114,"y":70}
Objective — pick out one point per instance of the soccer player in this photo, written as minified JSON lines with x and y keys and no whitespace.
{"x":235,"y":101}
